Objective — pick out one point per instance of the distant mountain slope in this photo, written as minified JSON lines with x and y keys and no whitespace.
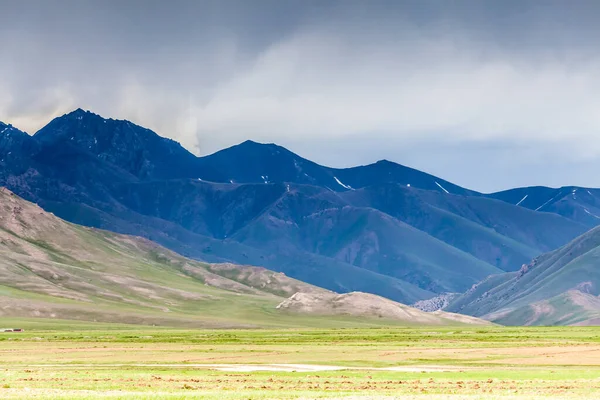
{"x":497,"y":233}
{"x":513,"y":297}
{"x":368,"y":239}
{"x":327,"y":272}
{"x":53,"y":269}
{"x":572,"y":202}
{"x":356,"y":229}
{"x":264,"y":228}
{"x":541,"y":231}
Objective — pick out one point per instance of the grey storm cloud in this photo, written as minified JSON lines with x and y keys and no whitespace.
{"x":488,"y":94}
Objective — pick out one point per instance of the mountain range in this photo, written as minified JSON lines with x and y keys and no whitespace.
{"x":382,"y":228}
{"x":50,"y":268}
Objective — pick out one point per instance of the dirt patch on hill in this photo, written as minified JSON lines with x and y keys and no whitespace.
{"x":540,"y":310}
{"x":585,"y":300}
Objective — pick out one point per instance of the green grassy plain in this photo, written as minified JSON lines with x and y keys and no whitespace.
{"x":76,"y":360}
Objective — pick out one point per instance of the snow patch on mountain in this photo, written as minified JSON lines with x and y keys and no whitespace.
{"x":441,"y":187}
{"x":589,"y":213}
{"x":553,"y":198}
{"x":342,"y":185}
{"x":523,"y":199}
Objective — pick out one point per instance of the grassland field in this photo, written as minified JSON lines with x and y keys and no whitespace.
{"x":76,"y":360}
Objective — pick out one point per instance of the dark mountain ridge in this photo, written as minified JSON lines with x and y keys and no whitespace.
{"x":147,"y":155}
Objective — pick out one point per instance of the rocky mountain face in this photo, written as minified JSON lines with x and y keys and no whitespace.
{"x":381,"y":228}
{"x":136,"y":150}
{"x":16,"y":148}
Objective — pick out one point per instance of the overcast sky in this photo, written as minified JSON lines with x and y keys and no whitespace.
{"x":487,"y":94}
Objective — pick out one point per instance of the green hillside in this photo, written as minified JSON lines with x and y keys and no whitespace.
{"x":543,"y":291}
{"x":570,"y":308}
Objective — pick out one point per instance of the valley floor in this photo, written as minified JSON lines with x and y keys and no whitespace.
{"x":66,"y":360}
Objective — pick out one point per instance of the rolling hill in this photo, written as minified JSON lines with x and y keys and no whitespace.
{"x":53,"y":269}
{"x":382,"y":228}
{"x":367,"y":305}
{"x":556,"y":288}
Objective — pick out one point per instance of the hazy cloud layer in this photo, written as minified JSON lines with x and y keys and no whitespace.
{"x":488,"y":94}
